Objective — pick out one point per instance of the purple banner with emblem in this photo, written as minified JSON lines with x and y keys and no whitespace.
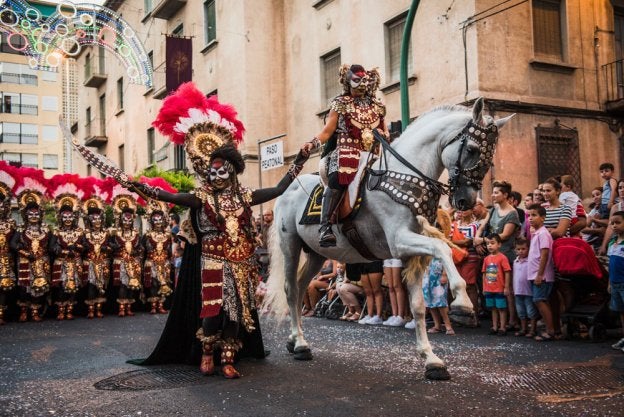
{"x":179,"y":62}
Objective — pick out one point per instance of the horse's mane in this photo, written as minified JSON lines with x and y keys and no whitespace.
{"x":437,"y":111}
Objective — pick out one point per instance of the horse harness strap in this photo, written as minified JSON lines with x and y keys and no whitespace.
{"x":407,"y":190}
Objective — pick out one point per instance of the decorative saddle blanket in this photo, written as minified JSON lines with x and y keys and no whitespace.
{"x":312,"y":212}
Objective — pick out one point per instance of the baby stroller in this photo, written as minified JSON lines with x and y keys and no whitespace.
{"x":582,"y":289}
{"x":329,"y":309}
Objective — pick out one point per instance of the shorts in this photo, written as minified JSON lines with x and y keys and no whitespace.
{"x":375,"y":267}
{"x":392,"y":263}
{"x":469,"y":269}
{"x":525,"y":307}
{"x":617,"y":297}
{"x":542,"y":292}
{"x":496,"y":300}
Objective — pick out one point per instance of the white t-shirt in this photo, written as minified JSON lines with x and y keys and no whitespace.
{"x":570,"y":199}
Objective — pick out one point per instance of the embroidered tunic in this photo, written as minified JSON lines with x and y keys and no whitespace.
{"x":228,"y":267}
{"x":7,"y":272}
{"x":157,"y":264}
{"x":127,"y":259}
{"x":33,"y":272}
{"x":96,"y":263}
{"x":67,"y":247}
{"x":357,"y":117}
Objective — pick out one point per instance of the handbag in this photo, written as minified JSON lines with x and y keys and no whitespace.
{"x":459,"y":254}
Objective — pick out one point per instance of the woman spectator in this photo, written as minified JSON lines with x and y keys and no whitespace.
{"x":318,"y":283}
{"x":396,"y":292}
{"x":503,"y":220}
{"x":614,"y":208}
{"x":349,"y":291}
{"x":596,"y":226}
{"x":370,"y":277}
{"x":558,"y":219}
{"x":470,"y":267}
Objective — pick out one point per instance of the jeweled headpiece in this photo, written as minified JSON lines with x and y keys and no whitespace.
{"x":66,"y":192}
{"x":7,"y":182}
{"x":93,"y":204}
{"x":370,"y":78}
{"x":202,"y":125}
{"x":123,"y":200}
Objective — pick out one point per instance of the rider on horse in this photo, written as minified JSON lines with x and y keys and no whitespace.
{"x":349,"y":128}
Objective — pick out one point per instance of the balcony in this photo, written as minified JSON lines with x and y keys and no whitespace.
{"x":614,"y":77}
{"x":16,"y":108}
{"x":167,"y":8}
{"x":17,"y":138}
{"x":160,"y":82}
{"x":95,"y":133}
{"x":94,"y":74}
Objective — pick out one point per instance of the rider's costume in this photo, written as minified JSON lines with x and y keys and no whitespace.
{"x":7,"y":229}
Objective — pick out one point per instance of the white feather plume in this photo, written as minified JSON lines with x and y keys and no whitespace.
{"x":31,"y":184}
{"x":7,"y":179}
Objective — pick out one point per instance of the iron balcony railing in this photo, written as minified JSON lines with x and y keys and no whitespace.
{"x":9,"y":77}
{"x":614,"y":76}
{"x":19,"y":108}
{"x":19,"y":138}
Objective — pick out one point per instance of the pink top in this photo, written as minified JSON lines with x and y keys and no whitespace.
{"x":540,"y":239}
{"x":521,"y":285}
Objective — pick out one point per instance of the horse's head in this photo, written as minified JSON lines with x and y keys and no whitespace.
{"x":468,"y":156}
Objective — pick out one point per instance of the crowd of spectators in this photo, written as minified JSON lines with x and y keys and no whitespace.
{"x":507,"y":263}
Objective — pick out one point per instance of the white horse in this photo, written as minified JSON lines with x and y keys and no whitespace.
{"x":448,"y":137}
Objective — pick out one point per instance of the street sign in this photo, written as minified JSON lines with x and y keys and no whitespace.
{"x":272,"y":156}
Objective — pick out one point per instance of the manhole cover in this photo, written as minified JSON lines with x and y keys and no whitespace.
{"x":148,"y":379}
{"x":579,"y":380}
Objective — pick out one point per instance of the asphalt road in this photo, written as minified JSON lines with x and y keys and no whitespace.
{"x":51,"y":369}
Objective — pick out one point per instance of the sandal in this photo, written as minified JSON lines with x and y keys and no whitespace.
{"x":346,"y":317}
{"x":530,"y":335}
{"x":450,"y":332}
{"x":502,"y":332}
{"x":434,"y":330}
{"x":493,"y":331}
{"x":520,"y":333}
{"x":354,"y":317}
{"x":544,"y":337}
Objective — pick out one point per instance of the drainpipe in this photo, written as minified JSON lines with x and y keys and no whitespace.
{"x":407,"y":34}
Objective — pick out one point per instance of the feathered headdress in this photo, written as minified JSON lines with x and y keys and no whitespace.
{"x":201,"y":124}
{"x":370,"y":77}
{"x":103,"y":188}
{"x":66,"y":191}
{"x":123,"y":200}
{"x":7,"y":181}
{"x":31,"y":187}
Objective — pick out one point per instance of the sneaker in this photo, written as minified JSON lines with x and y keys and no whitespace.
{"x":411,"y":324}
{"x":389,"y":321}
{"x":398,"y":322}
{"x":375,"y":321}
{"x":619,"y":345}
{"x":364,"y":319}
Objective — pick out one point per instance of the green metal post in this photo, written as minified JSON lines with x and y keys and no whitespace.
{"x":407,"y":34}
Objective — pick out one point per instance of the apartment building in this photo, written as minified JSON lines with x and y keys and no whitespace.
{"x":557,"y":64}
{"x":30,"y":104}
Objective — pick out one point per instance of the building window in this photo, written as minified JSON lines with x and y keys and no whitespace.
{"x":179,"y":30}
{"x":120,"y":94}
{"x":548,"y":28}
{"x":25,"y":159}
{"x":179,"y":158}
{"x":210,"y":21}
{"x":49,"y":133}
{"x":151,"y":146}
{"x":102,"y":115}
{"x":558,"y":154}
{"x":212,"y":93}
{"x":29,"y":104}
{"x":19,"y":133}
{"x":150,"y":57}
{"x":148,"y":4}
{"x":50,"y":161}
{"x":394,"y":38}
{"x":49,"y":103}
{"x":330,"y":66}
{"x":17,"y":74}
{"x":122,"y":161}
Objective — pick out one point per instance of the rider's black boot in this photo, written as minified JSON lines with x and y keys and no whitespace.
{"x":331,"y":198}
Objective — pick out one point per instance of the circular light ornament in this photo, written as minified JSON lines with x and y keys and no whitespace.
{"x":86,"y":19}
{"x":32,"y":14}
{"x":9,"y":18}
{"x":16,"y":46}
{"x":53,"y":60}
{"x":66,"y":9}
{"x":61,"y":29}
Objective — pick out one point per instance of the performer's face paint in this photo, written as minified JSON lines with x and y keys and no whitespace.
{"x":221,"y":173}
{"x":67,"y":218}
{"x":359,"y":83}
{"x":157,"y":221}
{"x":5,"y":206}
{"x":127,"y":220}
{"x":96,"y":221}
{"x":33,"y":216}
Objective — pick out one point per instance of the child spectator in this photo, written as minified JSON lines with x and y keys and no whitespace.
{"x":435,"y":290}
{"x":177,"y":262}
{"x":596,"y":226}
{"x":567,"y":196}
{"x":616,"y":270}
{"x":349,"y":291}
{"x":396,"y":292}
{"x":540,"y":269}
{"x":609,"y":196}
{"x":522,"y":290}
{"x":496,"y":282}
{"x":469,"y":268}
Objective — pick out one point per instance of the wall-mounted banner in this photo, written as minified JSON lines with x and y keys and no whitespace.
{"x":179,"y":62}
{"x":272,"y":156}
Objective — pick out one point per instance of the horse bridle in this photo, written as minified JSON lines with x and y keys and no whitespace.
{"x":484,"y":137}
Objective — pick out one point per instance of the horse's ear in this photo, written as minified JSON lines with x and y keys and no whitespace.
{"x":501,"y":122}
{"x":477,"y":111}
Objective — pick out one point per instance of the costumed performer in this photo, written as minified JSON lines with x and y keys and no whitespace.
{"x":219,"y":271}
{"x":7,"y":230}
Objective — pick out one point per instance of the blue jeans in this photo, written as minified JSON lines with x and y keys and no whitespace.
{"x":525,"y":307}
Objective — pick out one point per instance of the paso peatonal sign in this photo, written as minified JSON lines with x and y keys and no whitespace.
{"x":272,"y":156}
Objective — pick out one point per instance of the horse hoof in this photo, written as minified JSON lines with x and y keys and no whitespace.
{"x":303,"y":354}
{"x":437,"y":374}
{"x":290,"y":346}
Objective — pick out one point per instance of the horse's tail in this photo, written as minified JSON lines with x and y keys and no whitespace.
{"x":418,"y":264}
{"x":275,"y":301}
